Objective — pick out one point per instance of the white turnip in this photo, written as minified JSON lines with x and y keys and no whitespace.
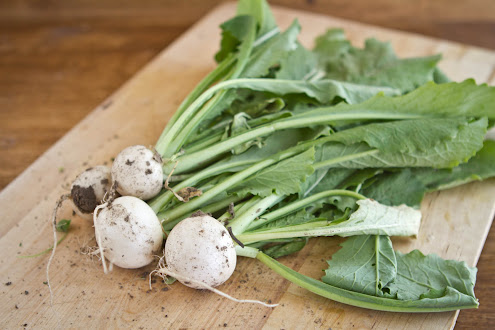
{"x":88,"y":189}
{"x":200,"y":253}
{"x":201,"y":248}
{"x":128,"y":232}
{"x":138,"y":172}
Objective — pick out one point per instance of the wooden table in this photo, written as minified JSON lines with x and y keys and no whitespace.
{"x":59,"y":61}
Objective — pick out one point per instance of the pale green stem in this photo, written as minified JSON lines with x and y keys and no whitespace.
{"x":206,"y":82}
{"x":225,"y":185}
{"x":211,"y":208}
{"x":197,"y":159}
{"x":241,"y":222}
{"x":297,"y":205}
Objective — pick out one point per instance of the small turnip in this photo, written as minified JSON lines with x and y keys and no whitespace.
{"x":138,"y":172}
{"x":200,"y":253}
{"x":88,"y":189}
{"x":201,"y":248}
{"x":128,"y":232}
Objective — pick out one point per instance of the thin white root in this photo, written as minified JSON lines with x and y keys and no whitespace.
{"x":55,"y":241}
{"x":98,"y":239}
{"x":165,"y":271}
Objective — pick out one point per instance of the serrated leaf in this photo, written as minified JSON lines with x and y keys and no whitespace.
{"x":420,"y":276}
{"x":451,"y":99}
{"x":376,"y":64}
{"x":410,"y":143}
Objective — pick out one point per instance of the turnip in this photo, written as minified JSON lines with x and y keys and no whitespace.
{"x":138,"y":172}
{"x":88,"y":189}
{"x":201,"y":248}
{"x":201,"y":254}
{"x":128,"y":232}
{"x":87,"y":192}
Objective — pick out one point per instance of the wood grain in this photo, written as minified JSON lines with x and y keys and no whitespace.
{"x":57,"y":63}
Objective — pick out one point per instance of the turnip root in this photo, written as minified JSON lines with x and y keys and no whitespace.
{"x":128,"y":232}
{"x":88,"y":190}
{"x":200,"y":254}
{"x":138,"y":172}
{"x":200,"y":248}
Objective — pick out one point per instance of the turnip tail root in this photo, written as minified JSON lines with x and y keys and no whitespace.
{"x":55,"y":241}
{"x":100,"y":248}
{"x":164,"y":271}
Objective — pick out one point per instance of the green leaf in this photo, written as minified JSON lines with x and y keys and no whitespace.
{"x":450,"y":300}
{"x":408,"y":186}
{"x":480,"y":167}
{"x":377,"y":219}
{"x":260,"y":10}
{"x":410,"y":143}
{"x":431,"y":100}
{"x":283,"y":178}
{"x":420,"y":276}
{"x":371,"y":218}
{"x":296,"y":218}
{"x":376,"y":64}
{"x":365,"y":264}
{"x":395,"y":188}
{"x":284,"y":249}
{"x":234,"y":31}
{"x":63,"y":225}
{"x":330,"y":46}
{"x":323,"y":91}
{"x":273,"y":144}
{"x":271,"y":53}
{"x":300,"y":64}
{"x":240,"y":125}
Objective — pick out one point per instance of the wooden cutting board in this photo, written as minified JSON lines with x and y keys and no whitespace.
{"x":455,"y":222}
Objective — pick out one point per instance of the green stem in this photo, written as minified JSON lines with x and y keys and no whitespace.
{"x":200,"y":158}
{"x":341,"y":159}
{"x":354,"y":298}
{"x":206,"y":82}
{"x":204,"y":143}
{"x":192,"y":124}
{"x":241,"y":222}
{"x":45,"y":251}
{"x":237,"y":208}
{"x":177,"y":141}
{"x":227,"y":184}
{"x":160,"y":201}
{"x":210,"y":208}
{"x":246,"y":251}
{"x":268,"y":84}
{"x":297,"y":205}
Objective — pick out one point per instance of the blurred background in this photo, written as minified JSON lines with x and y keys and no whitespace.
{"x":60,"y":59}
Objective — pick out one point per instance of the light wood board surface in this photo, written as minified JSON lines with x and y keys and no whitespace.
{"x":455,"y":222}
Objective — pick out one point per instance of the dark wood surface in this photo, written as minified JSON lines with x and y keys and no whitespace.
{"x":59,"y":60}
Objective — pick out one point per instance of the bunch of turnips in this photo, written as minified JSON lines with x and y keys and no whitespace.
{"x":279,"y":144}
{"x":127,"y":230}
